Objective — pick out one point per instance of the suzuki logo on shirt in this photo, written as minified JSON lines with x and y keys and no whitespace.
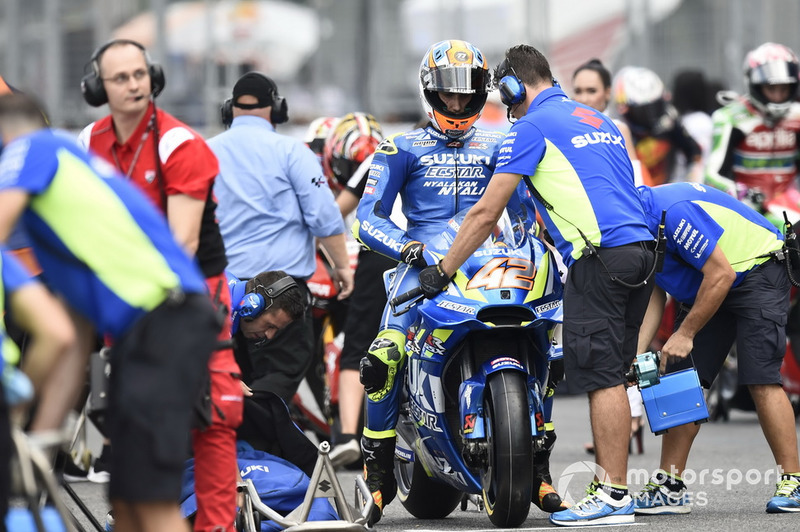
{"x":588,"y":117}
{"x":597,"y":137}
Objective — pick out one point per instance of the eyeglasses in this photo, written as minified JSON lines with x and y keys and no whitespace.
{"x":123,"y":77}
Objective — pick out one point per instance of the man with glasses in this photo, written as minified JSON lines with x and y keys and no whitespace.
{"x":175,"y":168}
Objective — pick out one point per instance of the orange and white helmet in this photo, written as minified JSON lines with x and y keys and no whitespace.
{"x":458,"y":67}
{"x":354,"y":138}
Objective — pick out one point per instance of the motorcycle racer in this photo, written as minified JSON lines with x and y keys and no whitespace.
{"x":754,"y":142}
{"x":437,"y":170}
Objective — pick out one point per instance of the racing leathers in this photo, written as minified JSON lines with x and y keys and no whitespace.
{"x":436,"y":177}
{"x":752,"y":157}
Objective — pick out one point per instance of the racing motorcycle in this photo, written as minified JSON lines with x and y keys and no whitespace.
{"x":472,"y":415}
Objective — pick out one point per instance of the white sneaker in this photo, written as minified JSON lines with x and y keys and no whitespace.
{"x":597,"y":508}
{"x":345,"y":453}
{"x":98,"y":477}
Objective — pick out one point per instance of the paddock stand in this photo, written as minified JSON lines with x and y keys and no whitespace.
{"x":323,"y":485}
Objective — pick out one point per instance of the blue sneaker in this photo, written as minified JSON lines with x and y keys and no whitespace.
{"x":597,"y":508}
{"x":787,"y":496}
{"x":109,"y":522}
{"x":658,"y":499}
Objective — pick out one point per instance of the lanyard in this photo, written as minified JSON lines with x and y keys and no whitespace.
{"x":136,"y":154}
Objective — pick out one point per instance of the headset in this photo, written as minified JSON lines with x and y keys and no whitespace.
{"x":512,"y":90}
{"x":254,"y":303}
{"x":92,"y":84}
{"x":278,"y":115}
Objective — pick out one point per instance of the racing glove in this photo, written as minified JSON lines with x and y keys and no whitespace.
{"x":411,"y":254}
{"x":433,"y":280}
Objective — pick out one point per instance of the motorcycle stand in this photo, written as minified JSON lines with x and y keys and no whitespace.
{"x":475,"y":498}
{"x":323,"y":485}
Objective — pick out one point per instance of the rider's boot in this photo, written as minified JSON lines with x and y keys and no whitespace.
{"x":544,"y":496}
{"x":379,"y":473}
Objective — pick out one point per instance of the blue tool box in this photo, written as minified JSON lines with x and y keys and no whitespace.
{"x":677,"y":399}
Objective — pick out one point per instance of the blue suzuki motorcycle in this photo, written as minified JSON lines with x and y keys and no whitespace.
{"x":472,"y":416}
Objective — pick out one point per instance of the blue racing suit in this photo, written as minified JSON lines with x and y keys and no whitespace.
{"x":436,"y":177}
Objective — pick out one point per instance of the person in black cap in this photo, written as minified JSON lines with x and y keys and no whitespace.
{"x":274,"y":201}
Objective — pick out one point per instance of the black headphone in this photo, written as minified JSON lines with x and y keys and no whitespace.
{"x":92,"y":84}
{"x":279,"y":113}
{"x":512,"y":90}
{"x":253,"y":304}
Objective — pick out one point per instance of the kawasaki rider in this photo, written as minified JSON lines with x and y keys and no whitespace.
{"x":437,"y":170}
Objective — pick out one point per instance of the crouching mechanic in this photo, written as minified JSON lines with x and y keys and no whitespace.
{"x":725,"y":266}
{"x":423,"y":166}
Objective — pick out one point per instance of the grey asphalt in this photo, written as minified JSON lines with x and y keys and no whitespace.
{"x":731,"y":477}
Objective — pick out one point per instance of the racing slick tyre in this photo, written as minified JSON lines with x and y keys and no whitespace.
{"x":423,"y":497}
{"x":506,"y":481}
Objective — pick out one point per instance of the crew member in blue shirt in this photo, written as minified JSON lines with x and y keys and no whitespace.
{"x":724,"y":265}
{"x":273,"y":201}
{"x":105,"y":249}
{"x":574,"y":161}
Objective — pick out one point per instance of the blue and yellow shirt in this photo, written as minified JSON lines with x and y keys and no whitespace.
{"x":100,"y":242}
{"x":12,"y":276}
{"x":698,"y":219}
{"x":575,"y":158}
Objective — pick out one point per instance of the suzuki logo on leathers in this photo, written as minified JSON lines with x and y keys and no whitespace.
{"x":450,"y":158}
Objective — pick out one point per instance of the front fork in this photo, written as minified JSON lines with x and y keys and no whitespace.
{"x":471,"y":414}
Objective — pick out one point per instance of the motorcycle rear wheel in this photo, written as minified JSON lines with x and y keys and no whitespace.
{"x":423,"y":497}
{"x":506,"y":481}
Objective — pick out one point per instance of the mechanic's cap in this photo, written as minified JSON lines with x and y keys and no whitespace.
{"x":258,"y":85}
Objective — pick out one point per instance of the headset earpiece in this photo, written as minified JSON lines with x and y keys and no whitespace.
{"x":512,"y":90}
{"x":92,"y":84}
{"x":226,"y":112}
{"x":280,"y":110}
{"x":253,"y":304}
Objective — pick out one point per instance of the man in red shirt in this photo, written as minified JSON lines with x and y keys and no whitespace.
{"x":173,"y":165}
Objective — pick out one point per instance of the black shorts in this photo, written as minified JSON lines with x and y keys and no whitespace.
{"x":157,"y":371}
{"x":754,"y":316}
{"x":366,"y":307}
{"x":602,"y":317}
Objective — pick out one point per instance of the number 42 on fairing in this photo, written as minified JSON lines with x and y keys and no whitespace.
{"x":504,"y":272}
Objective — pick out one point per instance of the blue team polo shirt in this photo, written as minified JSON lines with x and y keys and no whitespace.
{"x":99,"y":240}
{"x":575,"y":158}
{"x":698,"y":219}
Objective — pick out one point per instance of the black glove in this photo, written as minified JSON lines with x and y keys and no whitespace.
{"x":433,"y":280}
{"x":412,"y":254}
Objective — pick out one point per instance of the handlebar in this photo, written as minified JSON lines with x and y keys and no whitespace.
{"x":402,"y":298}
{"x":407,"y":296}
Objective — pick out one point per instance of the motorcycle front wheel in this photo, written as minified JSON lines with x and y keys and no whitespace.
{"x":506,"y":480}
